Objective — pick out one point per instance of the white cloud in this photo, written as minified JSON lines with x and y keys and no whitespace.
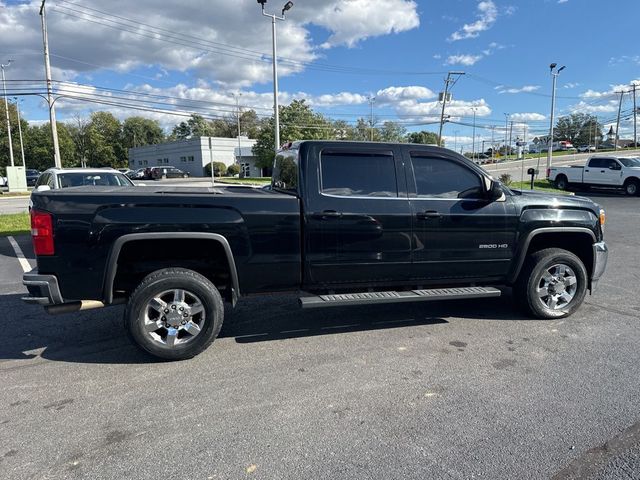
{"x":464,"y":59}
{"x":354,"y":20}
{"x":571,"y":85}
{"x":396,"y":94}
{"x":225,"y":42}
{"x":563,"y":1}
{"x":584,"y":107}
{"x":487,"y":16}
{"x":527,"y":117}
{"x":525,"y":88}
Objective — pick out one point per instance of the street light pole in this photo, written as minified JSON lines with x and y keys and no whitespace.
{"x":554,"y":74}
{"x":20,"y":131}
{"x":47,"y":71}
{"x":6,"y":109}
{"x":371,"y":102}
{"x":276,"y":113}
{"x":473,"y":140}
{"x":447,"y":81}
{"x":506,"y":128}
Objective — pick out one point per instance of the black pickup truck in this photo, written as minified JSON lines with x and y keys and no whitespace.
{"x":343,"y":223}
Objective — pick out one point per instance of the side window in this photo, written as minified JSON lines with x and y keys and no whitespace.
{"x":440,"y":178}
{"x":358,"y":174}
{"x":42,"y":179}
{"x":51,"y":180}
{"x":598,"y":163}
{"x":613,"y":165}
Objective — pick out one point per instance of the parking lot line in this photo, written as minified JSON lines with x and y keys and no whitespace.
{"x":19,"y":254}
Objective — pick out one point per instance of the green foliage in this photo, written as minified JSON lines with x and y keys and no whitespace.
{"x":218,"y":169}
{"x":139,"y":131}
{"x":233,"y":169}
{"x":506,"y":179}
{"x":579,"y":129}
{"x":423,"y":137}
{"x":392,"y":132}
{"x":15,"y":224}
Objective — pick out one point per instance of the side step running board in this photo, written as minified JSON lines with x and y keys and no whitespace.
{"x":367,"y":298}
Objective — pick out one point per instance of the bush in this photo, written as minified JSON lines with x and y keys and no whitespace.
{"x":234,"y":169}
{"x":506,"y":179}
{"x":218,"y":169}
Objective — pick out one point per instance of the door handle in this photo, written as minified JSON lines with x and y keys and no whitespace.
{"x":428,"y":214}
{"x":325,"y":214}
{"x":601,"y":171}
{"x":587,"y":171}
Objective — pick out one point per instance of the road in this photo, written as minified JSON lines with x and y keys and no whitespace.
{"x":448,"y":390}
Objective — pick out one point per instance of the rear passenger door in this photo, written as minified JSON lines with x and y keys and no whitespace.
{"x":357,"y":218}
{"x":458,"y":233}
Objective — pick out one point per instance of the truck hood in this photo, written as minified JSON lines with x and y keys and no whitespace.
{"x":532,"y":198}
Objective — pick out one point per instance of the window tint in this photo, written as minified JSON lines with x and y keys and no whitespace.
{"x":42,"y":179}
{"x":440,"y":178}
{"x":285,"y":171}
{"x":359,"y":174}
{"x":599,"y":163}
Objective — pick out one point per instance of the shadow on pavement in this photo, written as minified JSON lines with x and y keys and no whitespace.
{"x":98,"y":336}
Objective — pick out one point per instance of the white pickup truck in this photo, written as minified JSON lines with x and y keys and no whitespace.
{"x":611,"y":172}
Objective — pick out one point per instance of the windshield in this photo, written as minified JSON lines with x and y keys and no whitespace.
{"x":285,"y":172}
{"x":630,"y":161}
{"x":79,"y":179}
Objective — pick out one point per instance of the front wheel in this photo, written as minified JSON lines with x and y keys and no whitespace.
{"x":631,"y":188}
{"x":174,"y":314}
{"x":552,"y":283}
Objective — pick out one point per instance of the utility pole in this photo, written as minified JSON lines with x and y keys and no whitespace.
{"x":445,"y":96}
{"x":635,"y":118}
{"x":6,"y":110}
{"x":493,"y":142}
{"x":510,"y":136}
{"x":20,"y":132}
{"x":615,"y":137}
{"x":371,"y":101}
{"x":47,"y":71}
{"x":473,"y":140}
{"x":554,"y":74}
{"x":276,"y":112}
{"x":237,"y":96}
{"x":506,"y":129}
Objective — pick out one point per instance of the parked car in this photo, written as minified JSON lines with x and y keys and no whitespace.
{"x":156,"y":173}
{"x":586,"y":148}
{"x":136,"y":174}
{"x":32,"y":177}
{"x":55,"y":178}
{"x":345,"y":223}
{"x":616,"y":172}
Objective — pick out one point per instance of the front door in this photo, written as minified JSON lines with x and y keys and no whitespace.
{"x":603,"y":171}
{"x":458,"y":234}
{"x":357,"y":218}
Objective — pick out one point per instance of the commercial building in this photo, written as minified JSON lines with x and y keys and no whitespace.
{"x":193,"y":154}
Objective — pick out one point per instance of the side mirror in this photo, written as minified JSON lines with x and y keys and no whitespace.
{"x":495,"y":192}
{"x":43,"y":188}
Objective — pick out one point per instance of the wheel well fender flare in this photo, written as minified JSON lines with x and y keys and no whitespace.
{"x":522,"y":255}
{"x":112,"y":261}
{"x":631,"y":179}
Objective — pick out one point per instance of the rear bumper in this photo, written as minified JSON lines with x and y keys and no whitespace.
{"x":600,"y":257}
{"x":43,"y":289}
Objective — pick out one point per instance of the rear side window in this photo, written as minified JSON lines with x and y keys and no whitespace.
{"x":441,"y":178}
{"x":42,"y":179}
{"x":285,"y":171}
{"x":358,"y":174}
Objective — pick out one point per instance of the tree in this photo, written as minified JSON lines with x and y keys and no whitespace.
{"x":578,"y":128}
{"x":139,"y":131}
{"x":392,"y":132}
{"x":79,"y":131}
{"x":38,"y":146}
{"x":297,"y":122}
{"x":196,"y":126}
{"x":218,"y":169}
{"x":105,"y":141}
{"x":423,"y":137}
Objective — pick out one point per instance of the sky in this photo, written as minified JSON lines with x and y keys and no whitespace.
{"x":183,"y":57}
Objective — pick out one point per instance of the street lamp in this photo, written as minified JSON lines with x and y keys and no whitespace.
{"x":237,"y":97}
{"x":554,"y":74}
{"x":20,"y":130}
{"x":274,"y":17}
{"x":6,"y":109}
{"x":473,"y":140}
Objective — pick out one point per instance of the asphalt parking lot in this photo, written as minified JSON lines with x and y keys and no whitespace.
{"x":447,"y":390}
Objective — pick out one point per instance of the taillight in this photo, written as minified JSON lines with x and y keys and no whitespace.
{"x":42,"y":233}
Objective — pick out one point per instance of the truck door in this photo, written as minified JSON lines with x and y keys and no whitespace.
{"x":357,"y":216}
{"x":457,"y":234}
{"x":603,"y":171}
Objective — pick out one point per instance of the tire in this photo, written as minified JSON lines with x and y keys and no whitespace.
{"x":185,"y":175}
{"x":543,"y":272}
{"x":172,"y":325}
{"x":632,"y":188}
{"x":561,"y":182}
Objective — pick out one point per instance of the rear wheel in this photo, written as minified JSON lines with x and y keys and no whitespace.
{"x":632,"y":187}
{"x":174,"y":314}
{"x":561,"y":182}
{"x":552,"y":283}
